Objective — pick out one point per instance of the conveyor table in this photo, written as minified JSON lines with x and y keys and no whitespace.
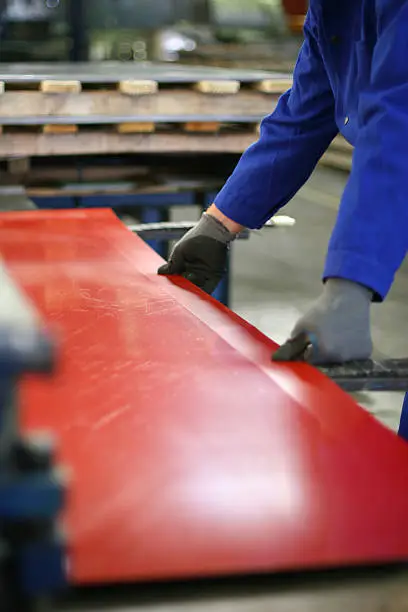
{"x":192,"y":455}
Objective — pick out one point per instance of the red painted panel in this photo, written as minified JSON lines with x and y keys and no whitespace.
{"x":192,"y":454}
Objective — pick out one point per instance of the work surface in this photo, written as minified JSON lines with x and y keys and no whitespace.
{"x":191,"y":453}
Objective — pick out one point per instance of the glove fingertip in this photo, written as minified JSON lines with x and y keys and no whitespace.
{"x":283,"y":353}
{"x":293,"y":349}
{"x":164,"y":270}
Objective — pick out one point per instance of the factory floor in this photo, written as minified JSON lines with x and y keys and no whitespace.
{"x":276,"y":275}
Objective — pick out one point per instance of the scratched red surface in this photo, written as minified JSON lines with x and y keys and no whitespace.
{"x":191,"y":453}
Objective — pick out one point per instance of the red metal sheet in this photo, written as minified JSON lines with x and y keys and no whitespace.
{"x":192,"y":454}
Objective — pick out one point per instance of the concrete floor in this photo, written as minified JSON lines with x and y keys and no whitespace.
{"x":276,"y":275}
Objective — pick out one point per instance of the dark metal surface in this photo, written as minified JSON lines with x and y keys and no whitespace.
{"x":112,"y":72}
{"x":370,"y":375}
{"x":354,"y":590}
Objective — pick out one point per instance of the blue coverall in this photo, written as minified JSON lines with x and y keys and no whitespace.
{"x":351,"y":77}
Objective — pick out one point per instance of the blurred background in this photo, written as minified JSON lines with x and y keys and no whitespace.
{"x":247,"y":33}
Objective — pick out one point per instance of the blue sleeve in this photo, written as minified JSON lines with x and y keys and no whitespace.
{"x":369,"y":241}
{"x":292,"y":140}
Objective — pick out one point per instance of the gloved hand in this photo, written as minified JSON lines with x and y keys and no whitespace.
{"x":201,"y":255}
{"x":336,"y":329}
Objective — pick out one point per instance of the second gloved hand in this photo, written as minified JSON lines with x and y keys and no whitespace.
{"x":201,"y":255}
{"x":336,"y":329}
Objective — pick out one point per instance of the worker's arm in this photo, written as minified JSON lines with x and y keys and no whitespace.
{"x":292,"y":140}
{"x":270,"y":172}
{"x":370,"y":238}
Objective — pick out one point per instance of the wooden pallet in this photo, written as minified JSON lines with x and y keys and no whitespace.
{"x":178,"y":104}
{"x":148,"y":87}
{"x":154,"y":94}
{"x":131,"y":99}
{"x":169,"y":103}
{"x":29,"y":141}
{"x":33,"y":143}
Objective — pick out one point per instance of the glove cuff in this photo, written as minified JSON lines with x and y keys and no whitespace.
{"x":347,"y":290}
{"x":213,"y":228}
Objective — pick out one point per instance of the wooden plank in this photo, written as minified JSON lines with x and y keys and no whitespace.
{"x":104,"y":142}
{"x":273,"y":86}
{"x":217,"y":87}
{"x":173,"y":103}
{"x":136,"y":87}
{"x":90,"y":143}
{"x":60,"y":87}
{"x":136,"y":128}
{"x":202,"y":126}
{"x":59,"y":129}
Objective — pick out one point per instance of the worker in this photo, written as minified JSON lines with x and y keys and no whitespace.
{"x":351,"y":76}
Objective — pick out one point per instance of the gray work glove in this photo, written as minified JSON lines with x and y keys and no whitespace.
{"x":201,"y":255}
{"x":336,"y":329}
